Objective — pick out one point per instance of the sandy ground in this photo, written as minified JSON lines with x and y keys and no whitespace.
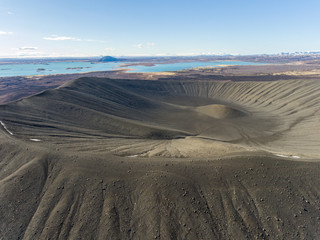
{"x":133,"y":159}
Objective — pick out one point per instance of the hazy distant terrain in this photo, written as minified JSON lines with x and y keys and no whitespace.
{"x":275,"y":68}
{"x":189,"y":155}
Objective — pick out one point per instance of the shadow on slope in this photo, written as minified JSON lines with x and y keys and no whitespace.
{"x":105,"y":108}
{"x":272,"y":116}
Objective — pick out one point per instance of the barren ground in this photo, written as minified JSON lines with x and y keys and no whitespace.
{"x":187,"y":156}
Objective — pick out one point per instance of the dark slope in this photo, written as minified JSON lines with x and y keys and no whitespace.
{"x":86,"y":106}
{"x":202,"y":161}
{"x":270,"y":116}
{"x":90,"y":196}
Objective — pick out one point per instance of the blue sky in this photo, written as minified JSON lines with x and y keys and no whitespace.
{"x":52,"y":28}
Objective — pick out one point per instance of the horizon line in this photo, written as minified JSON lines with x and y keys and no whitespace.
{"x":161,"y":56}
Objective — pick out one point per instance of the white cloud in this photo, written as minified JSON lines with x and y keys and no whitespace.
{"x":188,"y":54}
{"x":31,"y":54}
{"x":5,"y":33}
{"x":61,"y":38}
{"x":148,"y":45}
{"x":139,"y":55}
{"x":140,"y":45}
{"x":151,"y":44}
{"x":65,"y":38}
{"x":10,"y":13}
{"x":28,"y":48}
{"x":35,"y":54}
{"x":110,"y":49}
{"x":162,"y":54}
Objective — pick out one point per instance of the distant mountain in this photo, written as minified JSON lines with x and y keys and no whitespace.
{"x":108,"y":59}
{"x":299,"y":53}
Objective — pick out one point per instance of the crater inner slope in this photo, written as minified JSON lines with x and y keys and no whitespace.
{"x":172,"y":118}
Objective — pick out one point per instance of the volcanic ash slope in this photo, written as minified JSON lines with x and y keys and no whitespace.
{"x":128,"y":159}
{"x":163,"y":118}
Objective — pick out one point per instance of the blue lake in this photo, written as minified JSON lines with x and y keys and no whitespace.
{"x":10,"y":70}
{"x":186,"y":65}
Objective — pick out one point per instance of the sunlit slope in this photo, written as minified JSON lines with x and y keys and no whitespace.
{"x":124,"y":159}
{"x":168,"y":118}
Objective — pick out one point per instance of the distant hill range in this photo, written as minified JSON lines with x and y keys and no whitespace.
{"x":109,"y":59}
